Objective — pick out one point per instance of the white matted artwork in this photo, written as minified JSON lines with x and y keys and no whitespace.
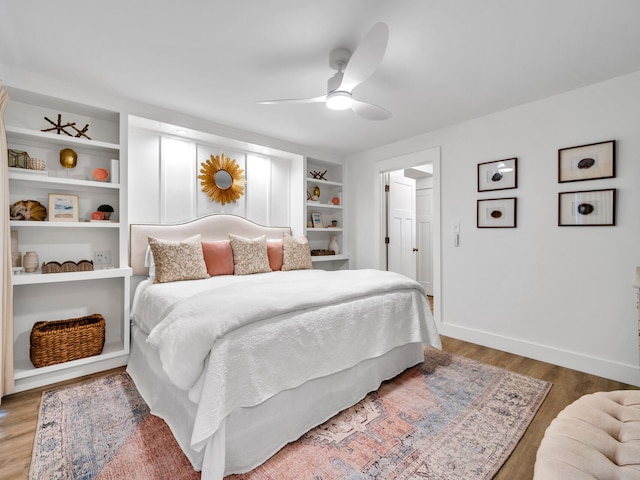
{"x":587,"y":162}
{"x":497,"y":213}
{"x":498,"y":175}
{"x":587,"y":208}
{"x":63,"y":208}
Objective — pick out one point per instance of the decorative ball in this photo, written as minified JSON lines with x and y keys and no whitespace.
{"x":68,"y":158}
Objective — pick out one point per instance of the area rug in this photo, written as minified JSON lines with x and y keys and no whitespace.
{"x":102,"y":429}
{"x":447,"y":418}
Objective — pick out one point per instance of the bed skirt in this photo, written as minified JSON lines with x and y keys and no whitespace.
{"x":250,"y":435}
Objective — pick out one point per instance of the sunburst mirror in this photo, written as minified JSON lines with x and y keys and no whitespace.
{"x":222,"y":179}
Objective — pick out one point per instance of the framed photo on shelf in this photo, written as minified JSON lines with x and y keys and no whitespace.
{"x":316,"y":219}
{"x":496,"y":213}
{"x":63,"y":208}
{"x":498,"y":175}
{"x":587,"y":162}
{"x":587,"y":208}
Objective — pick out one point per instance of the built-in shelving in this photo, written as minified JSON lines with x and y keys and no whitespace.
{"x":331,"y":187}
{"x":56,"y":296}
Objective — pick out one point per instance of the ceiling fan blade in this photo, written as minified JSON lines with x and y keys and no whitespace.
{"x":366,"y":58}
{"x":370,"y":111}
{"x":322,"y":98}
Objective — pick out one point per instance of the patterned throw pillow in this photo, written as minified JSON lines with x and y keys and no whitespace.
{"x":249,"y":255}
{"x":178,"y":260}
{"x":296,"y":255}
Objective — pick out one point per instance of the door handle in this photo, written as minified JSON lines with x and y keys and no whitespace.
{"x":415,"y":249}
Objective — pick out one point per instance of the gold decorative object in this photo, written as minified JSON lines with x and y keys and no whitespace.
{"x":222,"y":179}
{"x":68,"y":158}
{"x":18,"y":159}
{"x":27,"y":210}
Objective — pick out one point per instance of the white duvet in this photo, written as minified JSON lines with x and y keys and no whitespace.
{"x":236,"y":345}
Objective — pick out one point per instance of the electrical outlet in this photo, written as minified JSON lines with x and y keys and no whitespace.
{"x":102,"y":258}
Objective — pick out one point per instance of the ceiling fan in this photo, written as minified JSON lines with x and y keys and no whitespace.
{"x":353,"y":69}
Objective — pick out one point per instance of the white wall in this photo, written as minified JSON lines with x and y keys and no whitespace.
{"x":164,"y":188}
{"x":559,"y":294}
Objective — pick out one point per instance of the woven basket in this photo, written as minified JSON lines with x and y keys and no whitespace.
{"x":65,"y":340}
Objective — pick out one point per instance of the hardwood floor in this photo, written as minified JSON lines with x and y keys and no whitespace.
{"x":568,"y":386}
{"x":19,"y":412}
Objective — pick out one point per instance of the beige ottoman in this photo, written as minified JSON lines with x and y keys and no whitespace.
{"x":596,"y":437}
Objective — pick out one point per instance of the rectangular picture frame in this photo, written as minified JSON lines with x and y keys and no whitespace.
{"x":498,"y":175}
{"x":587,"y":162}
{"x":316,"y":219}
{"x":596,"y":208}
{"x":497,"y":213}
{"x":63,"y":208}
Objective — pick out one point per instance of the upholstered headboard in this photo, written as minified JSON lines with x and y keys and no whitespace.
{"x":212,"y":227}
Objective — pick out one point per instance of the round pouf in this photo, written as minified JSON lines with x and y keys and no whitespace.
{"x":596,"y":437}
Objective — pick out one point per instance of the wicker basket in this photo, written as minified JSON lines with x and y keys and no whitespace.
{"x":65,"y":340}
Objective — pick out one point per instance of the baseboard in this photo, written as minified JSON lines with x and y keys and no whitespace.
{"x":620,"y":372}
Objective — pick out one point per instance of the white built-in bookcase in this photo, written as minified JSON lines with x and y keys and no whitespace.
{"x":331,"y":186}
{"x":56,"y":296}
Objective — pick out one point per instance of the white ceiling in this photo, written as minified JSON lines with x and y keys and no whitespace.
{"x":447,"y":60}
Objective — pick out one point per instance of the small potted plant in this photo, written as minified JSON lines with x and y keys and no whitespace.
{"x":107,"y":210}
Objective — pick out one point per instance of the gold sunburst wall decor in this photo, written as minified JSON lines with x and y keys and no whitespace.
{"x":222,"y":179}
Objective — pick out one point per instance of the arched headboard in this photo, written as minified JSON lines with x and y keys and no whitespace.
{"x":216,"y":226}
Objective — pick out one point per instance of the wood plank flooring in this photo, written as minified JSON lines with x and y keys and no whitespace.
{"x":19,"y":412}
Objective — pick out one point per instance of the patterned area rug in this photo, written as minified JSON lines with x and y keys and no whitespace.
{"x":448,"y":418}
{"x":102,"y":429}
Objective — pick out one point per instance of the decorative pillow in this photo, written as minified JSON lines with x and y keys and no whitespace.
{"x":296,"y":253}
{"x":274,"y":253}
{"x":249,"y":255}
{"x":218,"y":257}
{"x":178,"y":260}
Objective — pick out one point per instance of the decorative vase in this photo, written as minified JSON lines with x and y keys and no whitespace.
{"x":333,"y":244}
{"x":30,"y":262}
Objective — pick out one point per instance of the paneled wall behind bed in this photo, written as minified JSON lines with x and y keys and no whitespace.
{"x":164,"y":188}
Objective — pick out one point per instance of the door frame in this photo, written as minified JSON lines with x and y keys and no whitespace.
{"x":431,"y":155}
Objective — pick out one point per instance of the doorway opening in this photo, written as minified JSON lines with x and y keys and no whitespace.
{"x":410,"y":220}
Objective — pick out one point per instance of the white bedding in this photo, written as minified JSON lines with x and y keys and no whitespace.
{"x":297,"y":326}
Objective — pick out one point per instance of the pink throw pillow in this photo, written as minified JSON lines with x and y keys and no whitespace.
{"x":218,"y":257}
{"x":274,"y":252}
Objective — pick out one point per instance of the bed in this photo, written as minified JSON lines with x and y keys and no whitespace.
{"x":238,"y":365}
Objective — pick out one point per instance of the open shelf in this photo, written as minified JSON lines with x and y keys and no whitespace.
{"x":329,"y":258}
{"x":25,"y":369}
{"x":44,"y":139}
{"x":38,"y":278}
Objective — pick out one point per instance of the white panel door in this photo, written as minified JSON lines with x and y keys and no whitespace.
{"x":402,"y":225}
{"x":424,"y":219}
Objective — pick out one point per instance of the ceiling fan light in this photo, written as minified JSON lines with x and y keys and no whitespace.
{"x":339,"y":100}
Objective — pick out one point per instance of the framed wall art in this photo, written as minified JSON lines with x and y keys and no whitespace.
{"x":589,"y":207}
{"x":498,"y":175}
{"x":587,"y":162}
{"x":496,"y":213}
{"x":316,"y":218}
{"x":63,"y":208}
